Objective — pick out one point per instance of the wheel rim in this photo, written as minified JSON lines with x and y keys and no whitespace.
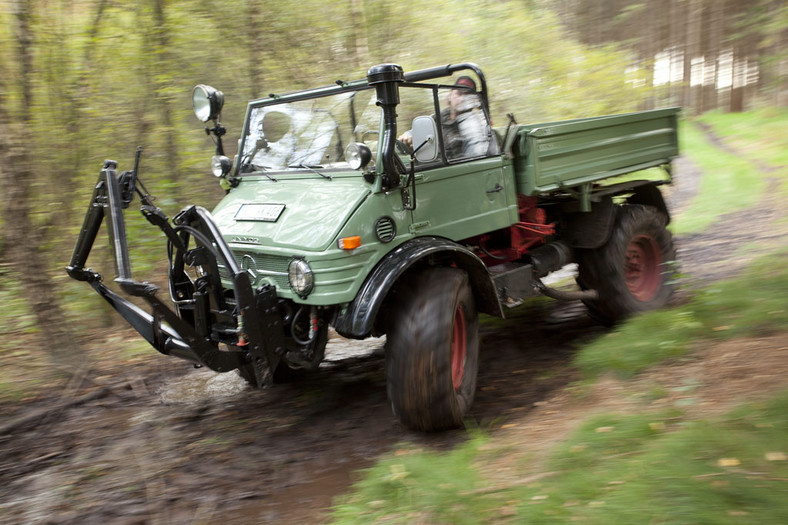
{"x":458,"y":348}
{"x":642,"y":267}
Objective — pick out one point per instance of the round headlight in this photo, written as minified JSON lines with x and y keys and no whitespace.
{"x":357,"y":155}
{"x":207,"y":102}
{"x":300,"y":275}
{"x":220,"y":165}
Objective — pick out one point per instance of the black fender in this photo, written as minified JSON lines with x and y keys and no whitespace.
{"x":358,"y":319}
{"x":649,"y":195}
{"x":644,"y":192}
{"x":592,"y":229}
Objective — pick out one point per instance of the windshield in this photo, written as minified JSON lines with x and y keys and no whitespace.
{"x":309,"y":133}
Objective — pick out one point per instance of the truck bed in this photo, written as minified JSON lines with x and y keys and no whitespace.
{"x":570,"y":153}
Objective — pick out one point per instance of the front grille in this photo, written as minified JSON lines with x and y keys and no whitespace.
{"x":272,"y":266}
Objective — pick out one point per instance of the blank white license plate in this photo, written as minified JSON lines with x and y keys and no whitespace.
{"x":259,"y":212}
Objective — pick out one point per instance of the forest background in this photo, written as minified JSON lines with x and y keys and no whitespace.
{"x":86,"y":80}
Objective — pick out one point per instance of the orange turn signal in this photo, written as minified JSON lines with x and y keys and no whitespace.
{"x":349,"y":243}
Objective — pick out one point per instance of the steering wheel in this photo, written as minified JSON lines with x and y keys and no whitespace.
{"x":403,"y":148}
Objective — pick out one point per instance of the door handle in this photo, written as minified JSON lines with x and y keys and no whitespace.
{"x":496,"y":189}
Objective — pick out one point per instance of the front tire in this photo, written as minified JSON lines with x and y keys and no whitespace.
{"x":432,"y":350}
{"x":633,"y":271}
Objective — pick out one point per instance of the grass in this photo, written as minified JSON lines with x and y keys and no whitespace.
{"x":660,"y":468}
{"x":757,"y":135}
{"x":654,"y":466}
{"x":752,"y":304}
{"x":414,"y":485}
{"x":730,"y":182}
{"x":615,"y":468}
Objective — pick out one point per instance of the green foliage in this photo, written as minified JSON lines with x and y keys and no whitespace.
{"x":108,"y":77}
{"x":534,"y":69}
{"x":16,"y":316}
{"x":751,"y":305}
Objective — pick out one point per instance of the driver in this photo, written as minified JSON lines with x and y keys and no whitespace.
{"x":465,"y":131}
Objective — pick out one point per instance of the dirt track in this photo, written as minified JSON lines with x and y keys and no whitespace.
{"x":169,"y":444}
{"x":138,"y":455}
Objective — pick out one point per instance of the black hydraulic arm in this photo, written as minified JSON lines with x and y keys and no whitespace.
{"x":177,"y":337}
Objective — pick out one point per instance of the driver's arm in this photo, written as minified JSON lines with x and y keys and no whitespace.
{"x":406,"y":138}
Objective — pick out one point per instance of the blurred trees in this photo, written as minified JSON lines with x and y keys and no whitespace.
{"x":23,"y":246}
{"x":93,"y":79}
{"x":705,"y":53}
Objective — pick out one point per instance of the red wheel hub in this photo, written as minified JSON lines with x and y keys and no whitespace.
{"x":458,"y":348}
{"x":642,"y":267}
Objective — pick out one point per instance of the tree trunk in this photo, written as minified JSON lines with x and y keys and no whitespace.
{"x":76,"y":97}
{"x":694,"y":28}
{"x":738,"y":81}
{"x":22,"y":238}
{"x":162,"y":67}
{"x":358,"y":34}
{"x":255,"y":49}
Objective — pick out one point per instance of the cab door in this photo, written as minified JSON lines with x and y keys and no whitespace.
{"x":461,"y":190}
{"x":461,"y":200}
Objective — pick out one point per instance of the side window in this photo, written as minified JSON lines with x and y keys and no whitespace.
{"x":464,"y":125}
{"x":414,"y":102}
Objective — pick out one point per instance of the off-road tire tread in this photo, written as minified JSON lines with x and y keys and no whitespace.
{"x":602,"y":268}
{"x":418,"y":350}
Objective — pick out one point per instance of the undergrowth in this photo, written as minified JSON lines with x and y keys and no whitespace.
{"x":750,"y":305}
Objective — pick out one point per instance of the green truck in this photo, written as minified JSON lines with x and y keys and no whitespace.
{"x":391,"y":205}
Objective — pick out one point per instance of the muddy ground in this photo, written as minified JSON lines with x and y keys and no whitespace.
{"x":156,"y":441}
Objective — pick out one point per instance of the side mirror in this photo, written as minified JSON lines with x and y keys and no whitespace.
{"x":425,"y":144}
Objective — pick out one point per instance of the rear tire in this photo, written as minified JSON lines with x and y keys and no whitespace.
{"x":633,"y":271}
{"x":432,"y":350}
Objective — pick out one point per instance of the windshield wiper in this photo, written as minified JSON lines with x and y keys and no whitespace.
{"x":310,"y":168}
{"x":248,"y":167}
{"x":267,"y":175}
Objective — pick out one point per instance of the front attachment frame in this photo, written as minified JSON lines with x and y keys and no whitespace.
{"x":246,"y":320}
